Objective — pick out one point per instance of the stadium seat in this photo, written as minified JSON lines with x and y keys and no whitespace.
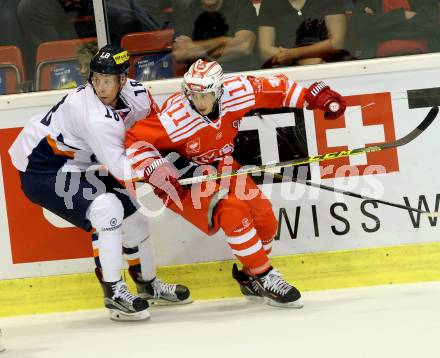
{"x":11,"y":69}
{"x":56,"y":64}
{"x":150,"y":54}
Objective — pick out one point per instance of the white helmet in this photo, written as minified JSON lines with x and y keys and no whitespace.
{"x":204,"y":76}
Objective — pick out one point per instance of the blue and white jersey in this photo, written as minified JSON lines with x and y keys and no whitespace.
{"x":80,"y":131}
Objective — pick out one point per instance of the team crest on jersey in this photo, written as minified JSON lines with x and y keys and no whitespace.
{"x":193,"y":146}
{"x":274,"y":81}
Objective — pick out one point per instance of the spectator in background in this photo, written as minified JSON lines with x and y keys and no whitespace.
{"x":395,"y":27}
{"x":301,"y":32}
{"x":10,"y":30}
{"x":127,"y":16}
{"x":49,"y":20}
{"x":221,"y":30}
{"x":84,"y":55}
{"x":11,"y":34}
{"x":348,"y":4}
{"x":53,"y":20}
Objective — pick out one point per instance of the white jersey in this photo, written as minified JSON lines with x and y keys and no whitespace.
{"x":80,"y":132}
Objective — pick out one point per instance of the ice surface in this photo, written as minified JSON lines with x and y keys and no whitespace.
{"x":383,"y":321}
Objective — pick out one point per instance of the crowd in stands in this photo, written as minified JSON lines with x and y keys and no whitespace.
{"x":242,"y":35}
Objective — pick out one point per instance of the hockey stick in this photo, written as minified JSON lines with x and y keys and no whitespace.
{"x":352,"y":194}
{"x":270,"y":168}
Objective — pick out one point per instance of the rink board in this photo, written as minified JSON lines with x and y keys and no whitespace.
{"x":36,"y":245}
{"x":212,"y":280}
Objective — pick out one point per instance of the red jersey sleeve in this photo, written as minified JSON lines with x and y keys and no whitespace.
{"x":144,"y":140}
{"x":276,"y":92}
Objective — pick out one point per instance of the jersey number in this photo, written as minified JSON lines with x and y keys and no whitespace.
{"x":137,"y":84}
{"x":108,"y":114}
{"x":48,"y":117}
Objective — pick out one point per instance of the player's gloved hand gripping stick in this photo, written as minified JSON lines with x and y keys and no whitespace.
{"x":320,"y":96}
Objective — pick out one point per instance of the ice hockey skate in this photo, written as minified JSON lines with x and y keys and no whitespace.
{"x":248,"y":285}
{"x":122,"y":305}
{"x":160,"y":293}
{"x":276,"y":291}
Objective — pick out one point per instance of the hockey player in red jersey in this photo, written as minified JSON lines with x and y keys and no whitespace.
{"x":200,"y":124}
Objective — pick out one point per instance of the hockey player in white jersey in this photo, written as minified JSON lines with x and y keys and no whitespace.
{"x":68,"y":160}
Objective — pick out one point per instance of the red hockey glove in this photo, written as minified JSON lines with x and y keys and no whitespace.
{"x":320,"y":96}
{"x":162,"y":175}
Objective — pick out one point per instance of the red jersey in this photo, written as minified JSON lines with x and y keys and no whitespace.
{"x":180,"y":128}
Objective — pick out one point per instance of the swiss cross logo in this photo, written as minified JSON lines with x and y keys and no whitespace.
{"x":368,"y":120}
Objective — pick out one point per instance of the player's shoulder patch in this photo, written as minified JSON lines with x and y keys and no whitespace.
{"x":273,"y":83}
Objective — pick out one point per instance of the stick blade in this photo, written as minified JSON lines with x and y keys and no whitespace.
{"x":432,"y":114}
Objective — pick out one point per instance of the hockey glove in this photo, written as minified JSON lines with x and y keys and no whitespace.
{"x":162,"y":175}
{"x":320,"y":96}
